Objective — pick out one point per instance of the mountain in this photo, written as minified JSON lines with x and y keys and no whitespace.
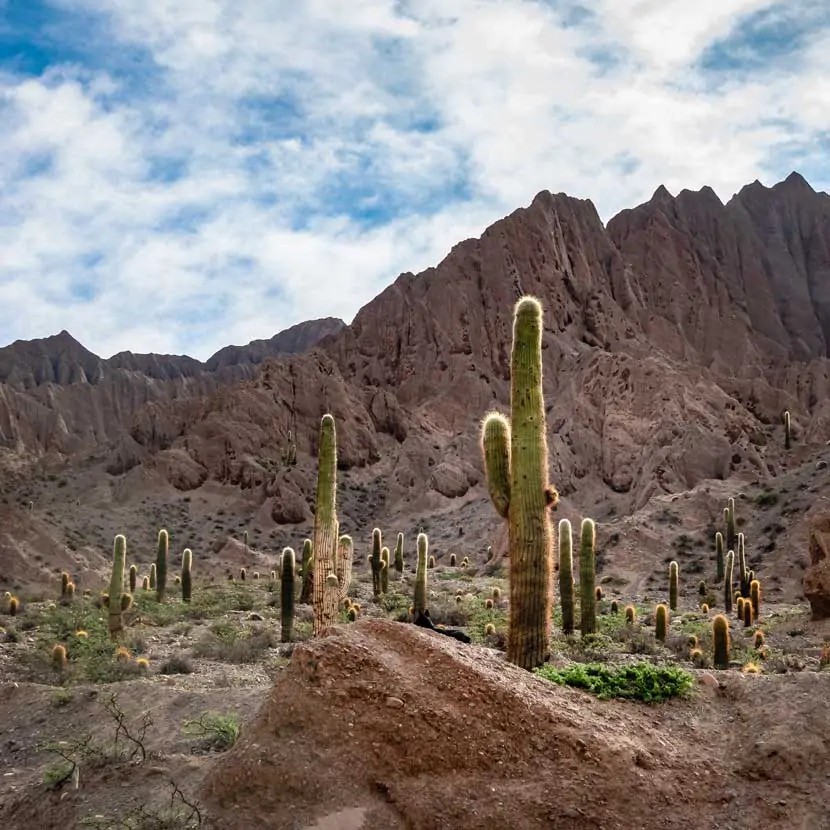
{"x":675,"y":337}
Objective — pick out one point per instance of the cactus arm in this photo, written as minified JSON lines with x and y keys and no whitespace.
{"x":495,"y":441}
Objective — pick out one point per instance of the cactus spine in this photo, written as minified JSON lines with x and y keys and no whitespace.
{"x":787,"y":430}
{"x":287,"y":566}
{"x":720,"y":637}
{"x":566,"y":575}
{"x":384,"y":570}
{"x":325,"y":594}
{"x":345,"y":558}
{"x":727,"y":585}
{"x":308,"y":572}
{"x":587,"y":568}
{"x":661,"y":622}
{"x":420,"y":598}
{"x":516,"y":464}
{"x":375,"y":561}
{"x":117,"y":603}
{"x":161,"y":564}
{"x":755,"y":597}
{"x":718,"y":556}
{"x":399,"y":554}
{"x":187,"y":564}
{"x":674,"y":585}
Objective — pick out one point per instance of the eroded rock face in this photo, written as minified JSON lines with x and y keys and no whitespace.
{"x":817,"y":578}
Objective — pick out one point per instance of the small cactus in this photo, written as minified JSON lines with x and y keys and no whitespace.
{"x":243,"y":573}
{"x":598,"y":593}
{"x":399,"y":554}
{"x":755,"y":597}
{"x":661,"y":622}
{"x":488,"y":603}
{"x":496,"y":594}
{"x":153,"y":577}
{"x":431,"y":561}
{"x":720,"y":639}
{"x":145,"y":583}
{"x":452,"y":560}
{"x":728,"y":579}
{"x":133,"y":578}
{"x":287,"y":566}
{"x":64,"y":583}
{"x":704,"y":608}
{"x":186,"y":580}
{"x":566,"y":576}
{"x":122,"y":654}
{"x":70,"y":592}
{"x":161,"y":564}
{"x":758,"y":642}
{"x":384,"y":570}
{"x":787,"y":430}
{"x":674,"y":585}
{"x":615,"y":607}
{"x":747,"y":616}
{"x":59,"y":657}
{"x":701,"y":588}
{"x":489,"y":629}
{"x":697,"y":658}
{"x":142,"y":664}
{"x":351,"y":614}
{"x":718,"y":556}
{"x":739,"y":607}
{"x":630,"y":614}
{"x":693,"y":643}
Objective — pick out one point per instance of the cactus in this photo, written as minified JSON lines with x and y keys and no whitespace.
{"x":420,"y":598}
{"x":384,"y":570}
{"x":747,"y":613}
{"x":245,"y":540}
{"x":375,"y":560}
{"x":287,"y":565}
{"x":758,"y":642}
{"x":489,"y":630}
{"x":308,"y":572}
{"x":739,"y":608}
{"x":496,"y":594}
{"x":598,"y":593}
{"x":701,"y":588}
{"x":187,"y":564}
{"x":161,"y":564}
{"x":729,"y":514}
{"x":674,"y":585}
{"x":118,"y":600}
{"x":661,"y":622}
{"x":692,"y":641}
{"x":351,"y":614}
{"x":133,"y":578}
{"x":743,"y":572}
{"x":704,"y":608}
{"x":145,"y":584}
{"x":345,"y":558}
{"x":431,"y":563}
{"x":755,"y":597}
{"x":59,"y":657}
{"x":630,"y":614}
{"x":615,"y":607}
{"x":70,"y":592}
{"x":718,"y":556}
{"x":516,"y":464}
{"x":488,"y":604}
{"x":64,"y":583}
{"x":727,"y":584}
{"x":787,"y":430}
{"x":587,"y":595}
{"x":452,"y":560}
{"x":243,"y":573}
{"x":326,"y":536}
{"x":566,"y":575}
{"x":399,"y":554}
{"x":720,"y":639}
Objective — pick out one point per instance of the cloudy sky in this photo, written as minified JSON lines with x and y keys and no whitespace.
{"x":177,"y":175}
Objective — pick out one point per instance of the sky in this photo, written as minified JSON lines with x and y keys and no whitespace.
{"x":178,"y":175}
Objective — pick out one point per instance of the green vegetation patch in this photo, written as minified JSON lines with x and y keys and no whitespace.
{"x":639,"y":681}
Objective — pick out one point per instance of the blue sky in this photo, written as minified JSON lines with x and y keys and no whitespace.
{"x":177,"y":176}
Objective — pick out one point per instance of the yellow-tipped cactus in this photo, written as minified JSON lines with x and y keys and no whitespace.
{"x":59,"y":657}
{"x":674,"y":585}
{"x":307,"y":572}
{"x":375,"y":560}
{"x":187,"y":564}
{"x":64,"y":583}
{"x":420,"y":598}
{"x":566,"y":575}
{"x":287,"y":567}
{"x":162,"y":553}
{"x":755,"y":597}
{"x":384,"y":570}
{"x":516,"y":465}
{"x":720,"y":639}
{"x":489,"y":630}
{"x":587,"y":573}
{"x":116,"y":592}
{"x":661,"y":622}
{"x":630,"y":614}
{"x":399,"y":554}
{"x":326,"y":595}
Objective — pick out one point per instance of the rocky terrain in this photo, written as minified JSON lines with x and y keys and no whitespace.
{"x":675,"y":338}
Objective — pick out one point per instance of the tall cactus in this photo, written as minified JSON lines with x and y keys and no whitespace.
{"x":343,"y":572}
{"x":420,"y":599}
{"x":399,"y":554}
{"x":566,"y":575}
{"x":718,"y":556}
{"x":720,"y":638}
{"x":743,"y":572}
{"x":674,"y":585}
{"x":287,"y":566}
{"x":728,"y":581}
{"x":375,"y":561}
{"x":133,"y":578}
{"x":587,"y":575}
{"x":729,"y":515}
{"x":152,"y":577}
{"x":516,"y":464}
{"x":661,"y":622}
{"x":187,"y":564}
{"x":308,"y":571}
{"x":161,"y":564}
{"x":755,"y":597}
{"x":118,"y":601}
{"x":787,"y":430}
{"x":326,"y":592}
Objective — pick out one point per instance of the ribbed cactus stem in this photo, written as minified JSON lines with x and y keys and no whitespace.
{"x":720,"y":638}
{"x":133,"y":578}
{"x":345,"y":559}
{"x":516,"y":466}
{"x":119,"y":558}
{"x":384,"y":570}
{"x":787,"y":430}
{"x":674,"y":585}
{"x":661,"y":622}
{"x":729,"y":515}
{"x":755,"y":597}
{"x":287,"y":567}
{"x":187,"y":564}
{"x":420,"y":598}
{"x":326,"y":595}
{"x":375,"y":561}
{"x":308,"y":571}
{"x":64,"y":583}
{"x":566,"y":575}
{"x":718,"y":556}
{"x":728,"y":581}
{"x":161,"y":564}
{"x":743,"y":574}
{"x":399,"y":554}
{"x":587,"y":567}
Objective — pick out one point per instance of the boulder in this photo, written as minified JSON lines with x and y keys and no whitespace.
{"x":817,"y":579}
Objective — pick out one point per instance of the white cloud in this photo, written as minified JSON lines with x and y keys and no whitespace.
{"x":214,"y":194}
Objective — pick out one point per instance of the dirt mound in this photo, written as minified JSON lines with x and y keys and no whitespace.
{"x":381,"y":726}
